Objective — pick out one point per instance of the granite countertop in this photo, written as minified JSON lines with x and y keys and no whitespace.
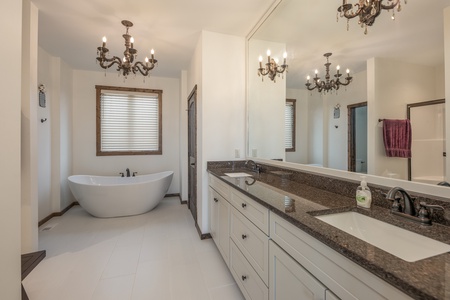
{"x":299,"y":203}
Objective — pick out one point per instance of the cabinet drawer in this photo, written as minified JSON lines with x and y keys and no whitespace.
{"x":252,"y":242}
{"x":219,"y":186}
{"x":289,"y":280}
{"x":255,"y":212}
{"x":252,"y":287}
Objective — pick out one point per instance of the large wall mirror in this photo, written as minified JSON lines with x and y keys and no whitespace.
{"x":397,"y":63}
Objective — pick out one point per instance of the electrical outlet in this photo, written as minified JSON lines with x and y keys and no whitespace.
{"x":254,"y":152}
{"x":236,"y":153}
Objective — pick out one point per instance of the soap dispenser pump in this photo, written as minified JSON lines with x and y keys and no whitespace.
{"x":363,"y":194}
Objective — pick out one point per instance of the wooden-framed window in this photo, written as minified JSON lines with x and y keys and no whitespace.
{"x":129,"y":121}
{"x":289,"y":125}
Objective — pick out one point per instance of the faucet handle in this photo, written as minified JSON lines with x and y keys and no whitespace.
{"x":426,"y":211}
{"x":121,"y":174}
{"x":396,"y":205}
{"x":431,"y":206}
{"x":134,"y":174}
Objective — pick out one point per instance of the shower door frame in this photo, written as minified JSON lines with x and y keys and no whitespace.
{"x":408,"y":115}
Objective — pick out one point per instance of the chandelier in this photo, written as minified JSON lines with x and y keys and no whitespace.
{"x":367,"y":10}
{"x":272,"y":68}
{"x":328,"y":85}
{"x":127,"y":64}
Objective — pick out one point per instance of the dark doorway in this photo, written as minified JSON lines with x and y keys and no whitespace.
{"x":357,"y":137}
{"x":192,"y":153}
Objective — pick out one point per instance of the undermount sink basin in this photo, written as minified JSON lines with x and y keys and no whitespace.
{"x":402,"y":243}
{"x":238,"y":174}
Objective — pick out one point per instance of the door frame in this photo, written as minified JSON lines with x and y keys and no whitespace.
{"x":351,"y":150}
{"x":192,"y":179}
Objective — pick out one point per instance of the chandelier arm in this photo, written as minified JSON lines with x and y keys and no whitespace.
{"x":389,"y":6}
{"x":111,"y":61}
{"x":264,"y":72}
{"x":349,"y":14}
{"x":144,"y":70}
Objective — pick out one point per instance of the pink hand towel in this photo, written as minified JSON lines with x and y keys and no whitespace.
{"x":397,"y":138}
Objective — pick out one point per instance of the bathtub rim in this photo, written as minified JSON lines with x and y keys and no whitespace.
{"x":127,"y":180}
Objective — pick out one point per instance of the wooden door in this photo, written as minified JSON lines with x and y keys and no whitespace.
{"x":192,"y":153}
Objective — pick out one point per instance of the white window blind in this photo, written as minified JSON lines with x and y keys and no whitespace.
{"x":289,"y":125}
{"x":129,"y":122}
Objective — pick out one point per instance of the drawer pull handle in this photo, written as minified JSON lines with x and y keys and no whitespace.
{"x":216,"y":200}
{"x":243,"y":277}
{"x":244,"y":205}
{"x":244,"y":236}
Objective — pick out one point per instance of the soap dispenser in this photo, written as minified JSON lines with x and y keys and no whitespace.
{"x":363,"y":194}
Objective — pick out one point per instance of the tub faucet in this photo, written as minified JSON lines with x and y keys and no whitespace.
{"x":128,"y":172}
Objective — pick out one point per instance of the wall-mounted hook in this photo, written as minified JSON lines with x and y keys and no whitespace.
{"x":43,"y":120}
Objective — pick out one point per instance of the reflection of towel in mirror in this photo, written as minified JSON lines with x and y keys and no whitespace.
{"x":397,"y":138}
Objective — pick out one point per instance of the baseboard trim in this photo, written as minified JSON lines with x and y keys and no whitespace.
{"x":203,"y":236}
{"x":176,"y":195}
{"x":57,"y":214}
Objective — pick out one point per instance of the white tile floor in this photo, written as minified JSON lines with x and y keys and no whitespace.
{"x":157,"y":255}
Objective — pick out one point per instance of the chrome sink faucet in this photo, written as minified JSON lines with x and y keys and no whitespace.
{"x":409,"y":212}
{"x":255,"y":167}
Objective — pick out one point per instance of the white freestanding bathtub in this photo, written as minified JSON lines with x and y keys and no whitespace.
{"x":114,"y":196}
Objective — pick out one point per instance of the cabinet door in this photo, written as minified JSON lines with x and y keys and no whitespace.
{"x":223,"y":218}
{"x":289,"y":280}
{"x":213,"y":213}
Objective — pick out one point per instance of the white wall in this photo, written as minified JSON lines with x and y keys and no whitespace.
{"x":218,"y":69}
{"x":85,"y":160}
{"x":55,"y":135}
{"x":10,"y":118}
{"x":29,"y":149}
{"x":395,"y":85}
{"x":356,"y":92}
{"x":184,"y":136}
{"x":267,"y":100}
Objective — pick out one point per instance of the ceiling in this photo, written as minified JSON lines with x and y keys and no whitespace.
{"x":309,"y":28}
{"x":73,"y":30}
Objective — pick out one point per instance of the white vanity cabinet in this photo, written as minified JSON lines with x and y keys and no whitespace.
{"x":289,"y":280}
{"x":270,"y":258}
{"x":220,"y":217}
{"x":344,"y":278}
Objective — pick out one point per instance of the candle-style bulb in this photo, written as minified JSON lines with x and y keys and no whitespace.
{"x":348,"y":71}
{"x":104,"y":42}
{"x":308,"y":78}
{"x":268,"y":52}
{"x":316,"y":71}
{"x":338,"y":67}
{"x":152,"y":52}
{"x":284,"y":54}
{"x":260,"y":58}
{"x":132,"y":42}
{"x":146,"y":59}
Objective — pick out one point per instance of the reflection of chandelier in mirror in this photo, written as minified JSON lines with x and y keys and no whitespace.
{"x":272,"y":68}
{"x":126,"y":65}
{"x":328,"y":85}
{"x":367,"y":11}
